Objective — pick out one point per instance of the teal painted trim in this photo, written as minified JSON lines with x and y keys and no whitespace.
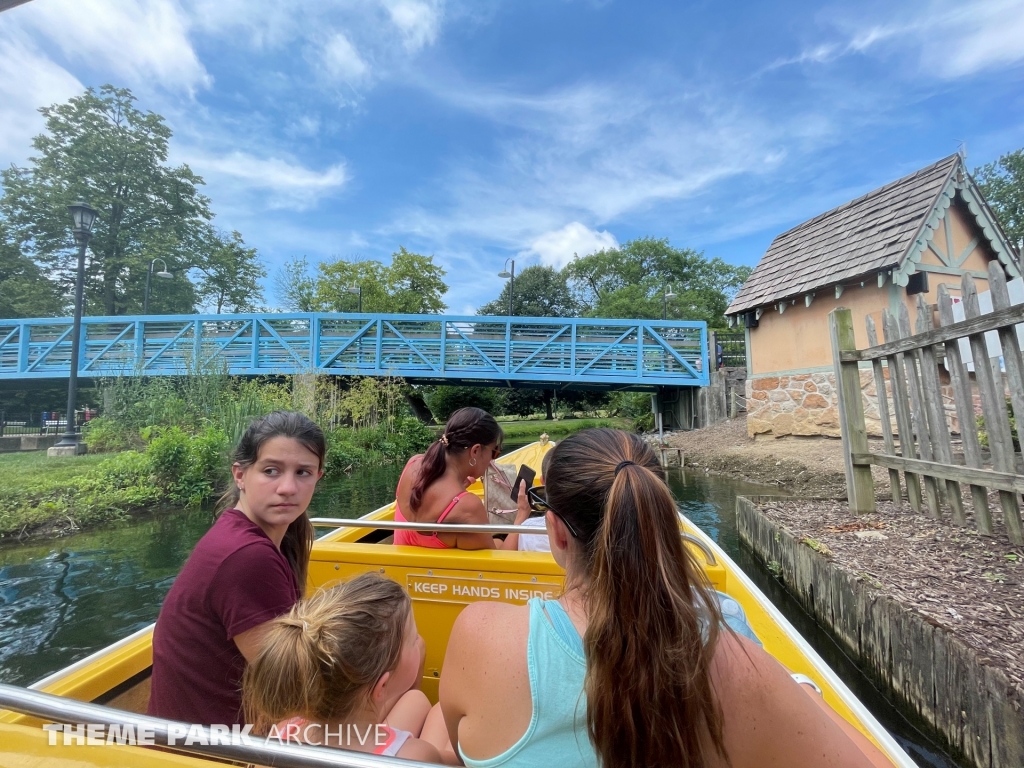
{"x":951,"y":271}
{"x":746,"y":350}
{"x":967,"y":252}
{"x":894,"y":300}
{"x":947,"y":225}
{"x":925,"y":233}
{"x":941,"y":256}
{"x":986,"y":221}
{"x":794,"y":371}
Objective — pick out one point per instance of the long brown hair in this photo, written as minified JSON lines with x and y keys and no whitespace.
{"x":298,"y":539}
{"x":652,"y":623}
{"x":329,"y":650}
{"x":465,"y":428}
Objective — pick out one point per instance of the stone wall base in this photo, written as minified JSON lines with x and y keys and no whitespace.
{"x":971,"y":705}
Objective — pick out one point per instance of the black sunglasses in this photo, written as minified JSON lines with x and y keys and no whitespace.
{"x":538,"y":498}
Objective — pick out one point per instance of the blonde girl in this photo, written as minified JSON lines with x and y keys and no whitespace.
{"x":338,"y":670}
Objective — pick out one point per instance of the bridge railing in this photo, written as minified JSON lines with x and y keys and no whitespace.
{"x":629,"y":353}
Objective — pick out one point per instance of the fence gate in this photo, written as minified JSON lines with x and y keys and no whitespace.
{"x":906,"y":377}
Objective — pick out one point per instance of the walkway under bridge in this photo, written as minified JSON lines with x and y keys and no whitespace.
{"x":518,"y":351}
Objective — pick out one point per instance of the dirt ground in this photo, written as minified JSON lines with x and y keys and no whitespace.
{"x":971,"y":585}
{"x":803,"y":466}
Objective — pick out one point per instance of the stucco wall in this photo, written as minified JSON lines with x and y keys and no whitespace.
{"x":793,"y":350}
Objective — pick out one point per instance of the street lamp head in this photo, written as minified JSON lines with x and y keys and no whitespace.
{"x":164,"y":274}
{"x":670,"y":295}
{"x":83,"y":217}
{"x":505,"y":274}
{"x":354,"y":289}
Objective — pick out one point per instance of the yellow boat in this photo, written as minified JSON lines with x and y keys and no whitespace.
{"x":112,"y":686}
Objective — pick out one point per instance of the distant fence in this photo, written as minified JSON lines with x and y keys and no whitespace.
{"x":921,"y":446}
{"x":12,"y":424}
{"x":730,"y":348}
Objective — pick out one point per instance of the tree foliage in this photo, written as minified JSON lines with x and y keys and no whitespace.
{"x":1002,"y":183}
{"x":630,"y":282}
{"x":410,"y":284}
{"x":539,"y":292}
{"x":231,"y":275}
{"x":100,"y":148}
{"x":24,"y":290}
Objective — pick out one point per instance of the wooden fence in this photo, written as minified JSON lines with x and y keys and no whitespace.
{"x":921,"y":446}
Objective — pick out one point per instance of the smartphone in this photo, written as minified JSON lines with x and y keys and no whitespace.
{"x":527,"y":474}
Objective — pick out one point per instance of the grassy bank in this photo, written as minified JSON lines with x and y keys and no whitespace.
{"x":519,"y":431}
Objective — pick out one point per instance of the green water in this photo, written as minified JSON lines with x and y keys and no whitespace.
{"x":61,"y":600}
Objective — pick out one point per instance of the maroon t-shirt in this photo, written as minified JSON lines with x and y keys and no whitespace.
{"x":235,"y":579}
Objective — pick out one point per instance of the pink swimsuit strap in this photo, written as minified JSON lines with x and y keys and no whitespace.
{"x":415,"y":538}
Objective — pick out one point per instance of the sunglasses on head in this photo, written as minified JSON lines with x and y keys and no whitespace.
{"x":538,"y":498}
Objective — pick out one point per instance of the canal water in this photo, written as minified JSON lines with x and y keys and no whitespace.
{"x":61,"y":600}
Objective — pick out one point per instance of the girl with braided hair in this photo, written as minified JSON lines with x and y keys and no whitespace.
{"x":432,"y":488}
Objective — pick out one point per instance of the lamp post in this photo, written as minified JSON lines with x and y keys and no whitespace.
{"x":664,"y":307}
{"x":357,"y":289}
{"x":164,"y":274}
{"x":511,"y":277}
{"x":83,"y":218}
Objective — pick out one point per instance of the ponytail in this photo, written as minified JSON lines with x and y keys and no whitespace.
{"x":465,"y":428}
{"x":651,"y":620}
{"x":327,"y":652}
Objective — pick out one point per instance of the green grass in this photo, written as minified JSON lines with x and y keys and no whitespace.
{"x":31,"y":467}
{"x":516,"y":430}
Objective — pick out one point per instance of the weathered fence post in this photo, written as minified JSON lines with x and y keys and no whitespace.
{"x":883,"y":411}
{"x":860,"y":486}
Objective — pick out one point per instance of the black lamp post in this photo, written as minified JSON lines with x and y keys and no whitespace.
{"x":357,"y":289}
{"x":511,"y":277}
{"x":164,"y":274}
{"x":664,"y":307}
{"x":83,"y":217}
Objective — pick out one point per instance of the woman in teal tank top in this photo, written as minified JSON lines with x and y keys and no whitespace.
{"x":634,"y":664}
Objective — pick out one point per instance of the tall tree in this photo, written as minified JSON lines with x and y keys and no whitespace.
{"x":539,"y":292}
{"x":231,"y":275}
{"x":1002,"y":183}
{"x":24,"y":290}
{"x":410,"y":284}
{"x":632,"y":280}
{"x":100,"y":148}
{"x":295,"y":289}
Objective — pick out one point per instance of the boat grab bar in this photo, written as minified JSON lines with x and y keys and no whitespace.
{"x":393,"y":525}
{"x":57,"y":709}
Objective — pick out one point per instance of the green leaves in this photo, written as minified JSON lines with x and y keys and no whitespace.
{"x":539,"y":292}
{"x":1002,"y":183}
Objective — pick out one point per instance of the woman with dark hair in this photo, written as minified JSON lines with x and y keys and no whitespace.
{"x":432,"y":488}
{"x":632,"y":665}
{"x":247,"y":570}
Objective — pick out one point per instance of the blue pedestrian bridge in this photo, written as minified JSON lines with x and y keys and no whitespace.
{"x":562,"y":353}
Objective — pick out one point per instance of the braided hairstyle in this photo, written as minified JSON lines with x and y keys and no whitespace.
{"x":465,"y":428}
{"x":323,"y":656}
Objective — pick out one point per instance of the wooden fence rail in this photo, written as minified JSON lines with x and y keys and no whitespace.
{"x":921,"y":446}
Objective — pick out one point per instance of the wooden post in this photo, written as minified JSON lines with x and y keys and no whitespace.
{"x":898,"y":384}
{"x":936,"y":412}
{"x":993,"y":405}
{"x":931,"y":487}
{"x":883,"y":413}
{"x":860,"y":486}
{"x":1014,"y":373}
{"x":964,"y":400}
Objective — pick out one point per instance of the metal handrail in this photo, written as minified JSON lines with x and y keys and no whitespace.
{"x":393,"y":525}
{"x":56,"y":709}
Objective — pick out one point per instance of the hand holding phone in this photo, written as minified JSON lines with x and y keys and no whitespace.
{"x":527,"y":475}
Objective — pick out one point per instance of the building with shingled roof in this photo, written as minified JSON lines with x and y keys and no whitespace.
{"x":868,"y":255}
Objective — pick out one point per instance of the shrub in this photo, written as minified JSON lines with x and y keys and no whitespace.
{"x":189,"y":467}
{"x":107,"y":435}
{"x":444,"y":400}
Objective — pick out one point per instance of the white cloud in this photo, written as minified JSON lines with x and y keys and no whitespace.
{"x":418,"y":21}
{"x":28,"y":80}
{"x":137,"y":41}
{"x":342,"y":61}
{"x":289,"y":184}
{"x":557,"y":247}
{"x":948,"y":39}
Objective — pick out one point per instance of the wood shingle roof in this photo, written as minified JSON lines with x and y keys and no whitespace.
{"x":862,"y":237}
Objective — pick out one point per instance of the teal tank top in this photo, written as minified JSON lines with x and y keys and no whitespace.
{"x":557,"y":734}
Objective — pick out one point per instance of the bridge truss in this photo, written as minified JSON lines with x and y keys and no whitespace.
{"x":517,"y":351}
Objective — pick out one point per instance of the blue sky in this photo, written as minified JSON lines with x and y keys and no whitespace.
{"x":477,"y":130}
